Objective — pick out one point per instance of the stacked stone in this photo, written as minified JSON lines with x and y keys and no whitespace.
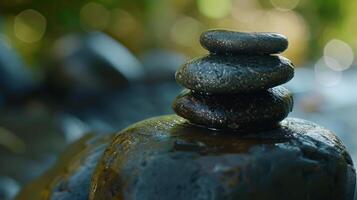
{"x":236,"y":86}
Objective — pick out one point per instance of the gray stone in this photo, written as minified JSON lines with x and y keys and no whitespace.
{"x":252,"y":111}
{"x":168,"y":158}
{"x":234,"y":74}
{"x":91,"y":64}
{"x":230,"y":42}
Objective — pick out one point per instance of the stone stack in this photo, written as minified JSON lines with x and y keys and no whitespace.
{"x":236,"y":86}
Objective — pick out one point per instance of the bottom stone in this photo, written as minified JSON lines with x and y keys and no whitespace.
{"x":168,"y":158}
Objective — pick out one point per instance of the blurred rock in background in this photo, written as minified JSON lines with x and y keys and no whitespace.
{"x":91,"y":64}
{"x":8,"y":188}
{"x":16,"y":80}
{"x":161,"y":65}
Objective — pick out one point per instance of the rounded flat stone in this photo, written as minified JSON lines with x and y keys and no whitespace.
{"x":169,"y":158}
{"x":234,"y":74}
{"x":253,"y":111}
{"x":231,"y":42}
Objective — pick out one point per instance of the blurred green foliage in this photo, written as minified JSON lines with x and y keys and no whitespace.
{"x":146,"y":24}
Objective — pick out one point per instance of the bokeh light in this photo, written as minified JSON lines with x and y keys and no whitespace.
{"x":289,"y":23}
{"x":247,"y":11}
{"x":123,"y":22}
{"x":186,"y":31}
{"x":325,"y":76}
{"x":30,"y":26}
{"x":214,"y":8}
{"x":284,"y":5}
{"x":338,"y":55}
{"x":94,"y":16}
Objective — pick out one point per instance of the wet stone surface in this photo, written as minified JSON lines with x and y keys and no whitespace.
{"x":235,"y":111}
{"x":168,"y":158}
{"x":230,"y":42}
{"x":70,"y":178}
{"x":234,"y":74}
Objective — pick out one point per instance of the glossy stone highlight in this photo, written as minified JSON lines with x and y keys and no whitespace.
{"x":234,"y":74}
{"x":238,"y":43}
{"x":252,"y":111}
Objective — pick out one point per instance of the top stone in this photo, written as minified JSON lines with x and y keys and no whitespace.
{"x":230,"y":42}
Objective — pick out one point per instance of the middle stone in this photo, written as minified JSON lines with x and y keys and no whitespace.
{"x":243,"y":112}
{"x":235,"y":74}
